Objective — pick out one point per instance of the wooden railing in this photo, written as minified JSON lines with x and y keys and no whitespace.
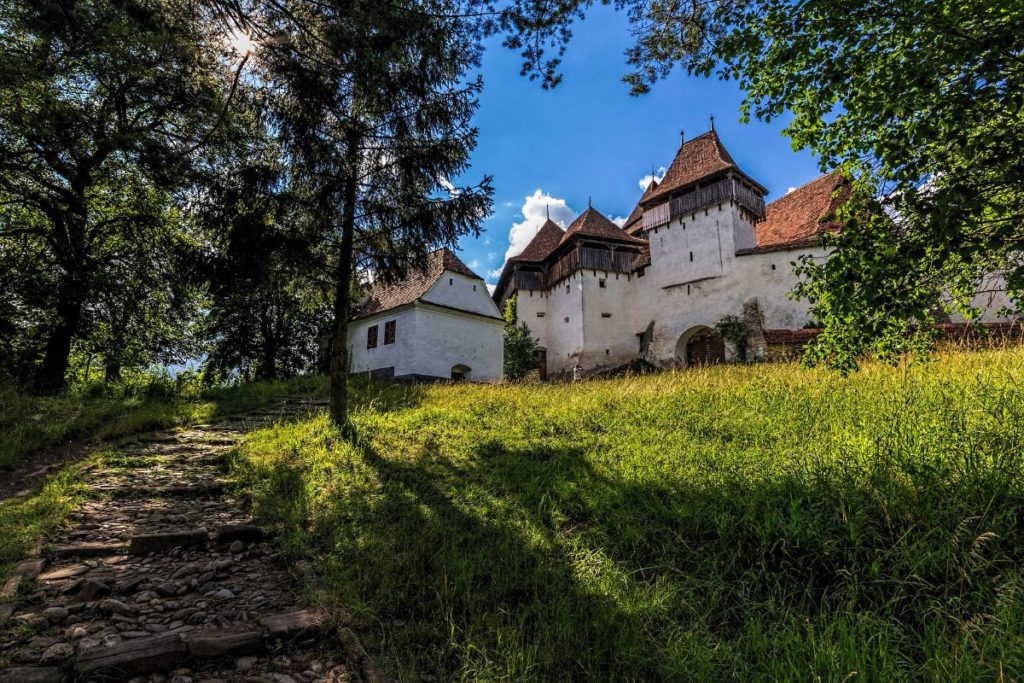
{"x":723,"y":190}
{"x":581,"y":258}
{"x":528,"y":279}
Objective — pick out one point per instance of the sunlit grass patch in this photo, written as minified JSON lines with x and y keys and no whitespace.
{"x":730,"y":523}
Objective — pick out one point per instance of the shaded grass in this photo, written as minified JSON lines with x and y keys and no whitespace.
{"x":759,"y":522}
{"x":31,"y":423}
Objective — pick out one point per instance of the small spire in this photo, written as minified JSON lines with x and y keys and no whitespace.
{"x":682,"y":137}
{"x":712,"y":122}
{"x":590,"y":203}
{"x":547,"y":210}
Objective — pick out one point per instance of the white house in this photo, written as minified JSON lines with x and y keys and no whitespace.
{"x":439,"y":323}
{"x":699,"y":246}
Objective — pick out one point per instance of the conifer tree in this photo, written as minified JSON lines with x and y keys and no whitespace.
{"x":373,"y":103}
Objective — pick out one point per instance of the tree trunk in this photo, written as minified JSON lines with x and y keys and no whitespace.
{"x":53,"y":373}
{"x":268,"y":366}
{"x":111,"y":372}
{"x":342,"y":287}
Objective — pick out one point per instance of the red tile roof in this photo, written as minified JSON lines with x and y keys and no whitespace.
{"x":591,"y":223}
{"x":633,"y":221}
{"x":542,"y":244}
{"x":387,"y":297}
{"x":799,"y":217}
{"x":783,"y":336}
{"x":703,"y":156}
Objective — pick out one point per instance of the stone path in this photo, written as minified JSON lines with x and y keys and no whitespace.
{"x":160,"y":575}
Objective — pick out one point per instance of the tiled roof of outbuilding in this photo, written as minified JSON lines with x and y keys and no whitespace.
{"x":800,"y":216}
{"x":591,"y":223}
{"x":386,"y":297}
{"x":703,"y":156}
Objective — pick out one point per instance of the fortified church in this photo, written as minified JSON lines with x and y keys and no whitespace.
{"x":699,"y":246}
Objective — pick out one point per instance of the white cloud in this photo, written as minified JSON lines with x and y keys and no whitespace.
{"x":791,"y":189}
{"x":474,"y":264}
{"x":659,"y":176}
{"x":535,"y":211}
{"x":619,"y":220}
{"x":494,"y":274}
{"x":491,"y":288}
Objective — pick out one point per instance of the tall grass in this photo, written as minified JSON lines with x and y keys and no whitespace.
{"x":760,"y":522}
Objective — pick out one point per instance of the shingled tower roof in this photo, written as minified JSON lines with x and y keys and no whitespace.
{"x":697,"y":159}
{"x":591,"y":223}
{"x":542,"y":244}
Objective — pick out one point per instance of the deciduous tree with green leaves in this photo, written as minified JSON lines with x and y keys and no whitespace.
{"x":90,"y":90}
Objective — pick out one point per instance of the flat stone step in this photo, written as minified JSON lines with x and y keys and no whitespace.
{"x":239,"y":532}
{"x":32,"y":674}
{"x":133,"y":657}
{"x":98,"y":549}
{"x":291,"y":624}
{"x":205,"y":644}
{"x":143,"y":544}
{"x":182,"y":491}
{"x":68,"y":572}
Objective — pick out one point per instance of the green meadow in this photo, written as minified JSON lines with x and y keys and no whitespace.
{"x":735,"y":523}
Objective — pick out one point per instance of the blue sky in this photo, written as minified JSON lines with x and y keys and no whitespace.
{"x":590,"y":138}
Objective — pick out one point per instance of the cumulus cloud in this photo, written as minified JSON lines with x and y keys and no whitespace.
{"x":494,"y":274}
{"x":535,"y":211}
{"x":791,"y":189}
{"x":491,"y":288}
{"x":659,"y":176}
{"x":619,"y":220}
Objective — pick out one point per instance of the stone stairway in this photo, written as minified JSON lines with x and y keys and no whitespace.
{"x":160,"y":575}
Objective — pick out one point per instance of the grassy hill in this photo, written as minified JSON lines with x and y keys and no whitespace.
{"x":761,"y":522}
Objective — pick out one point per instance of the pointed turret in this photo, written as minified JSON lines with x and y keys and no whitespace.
{"x":593,"y":224}
{"x":699,"y":159}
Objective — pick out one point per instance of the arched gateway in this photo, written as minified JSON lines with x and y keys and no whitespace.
{"x":700,"y":345}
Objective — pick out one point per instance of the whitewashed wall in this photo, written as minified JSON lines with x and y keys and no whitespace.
{"x":398,"y":355}
{"x":446,"y":338}
{"x":459,"y":291}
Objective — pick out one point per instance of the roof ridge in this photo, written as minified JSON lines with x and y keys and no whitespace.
{"x":809,"y":182}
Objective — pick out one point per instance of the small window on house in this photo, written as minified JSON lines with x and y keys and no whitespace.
{"x":691,"y":255}
{"x":640,"y":273}
{"x":687,"y":290}
{"x":606,"y":315}
{"x":474,"y":288}
{"x":606,"y":352}
{"x":567,"y":289}
{"x":602,"y":284}
{"x":566,"y":318}
{"x":371,"y":337}
{"x":773,"y":266}
{"x":540,"y":314}
{"x":389,"y":332}
{"x":451,"y":281}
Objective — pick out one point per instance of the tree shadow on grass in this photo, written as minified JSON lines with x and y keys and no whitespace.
{"x":481,"y":570}
{"x":531,"y":563}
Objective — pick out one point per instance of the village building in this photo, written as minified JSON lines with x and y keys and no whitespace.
{"x":439,"y":323}
{"x":700,"y":245}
